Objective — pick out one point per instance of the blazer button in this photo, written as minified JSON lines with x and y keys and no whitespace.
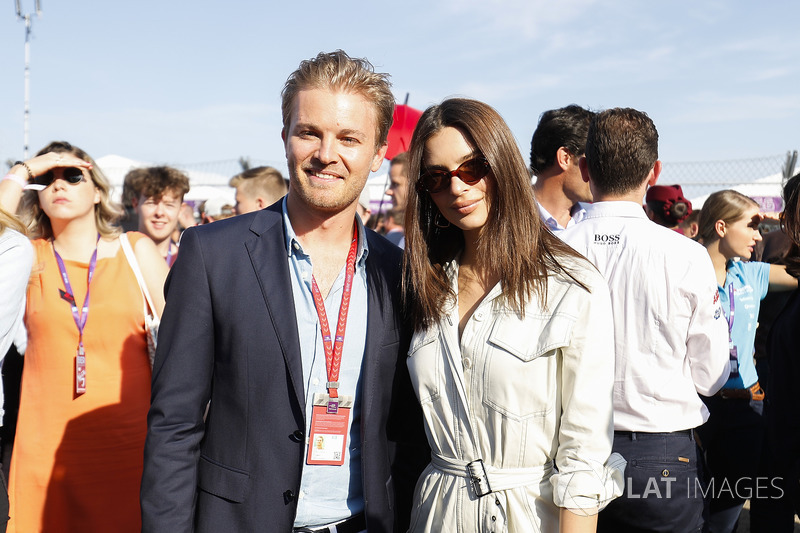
{"x":288,"y":496}
{"x":297,"y":436}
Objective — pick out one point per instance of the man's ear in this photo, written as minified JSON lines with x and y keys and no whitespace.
{"x":563,"y":157}
{"x":584,"y":166}
{"x":261,"y":203}
{"x":135,"y":202}
{"x":380,"y":154}
{"x":655,"y":172}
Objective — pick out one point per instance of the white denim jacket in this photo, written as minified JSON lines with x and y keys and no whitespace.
{"x":530,"y":397}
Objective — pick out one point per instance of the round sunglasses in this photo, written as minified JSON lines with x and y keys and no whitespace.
{"x":71,"y":175}
{"x":470,"y":172}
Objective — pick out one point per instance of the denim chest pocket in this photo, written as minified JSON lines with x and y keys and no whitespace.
{"x":521,"y":371}
{"x":425,"y":361}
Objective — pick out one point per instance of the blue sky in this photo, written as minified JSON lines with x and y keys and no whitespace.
{"x":186,"y":82}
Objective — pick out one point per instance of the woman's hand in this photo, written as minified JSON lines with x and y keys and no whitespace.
{"x":11,"y":189}
{"x":47,"y":162}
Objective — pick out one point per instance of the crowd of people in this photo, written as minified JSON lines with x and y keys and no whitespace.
{"x":559,"y":345}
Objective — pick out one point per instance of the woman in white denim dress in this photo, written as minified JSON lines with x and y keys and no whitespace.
{"x":512,"y":358}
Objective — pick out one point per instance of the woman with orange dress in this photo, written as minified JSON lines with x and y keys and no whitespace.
{"x":77,"y":457}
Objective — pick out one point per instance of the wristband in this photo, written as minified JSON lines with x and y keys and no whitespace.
{"x":16,"y":179}
{"x":24,"y":164}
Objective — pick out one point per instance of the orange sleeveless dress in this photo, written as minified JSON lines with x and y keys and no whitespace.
{"x":77,"y":460}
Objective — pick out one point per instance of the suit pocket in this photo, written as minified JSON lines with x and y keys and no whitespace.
{"x":222,"y":481}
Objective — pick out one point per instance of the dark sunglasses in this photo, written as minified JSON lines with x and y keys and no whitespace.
{"x":71,"y":175}
{"x":470,"y":172}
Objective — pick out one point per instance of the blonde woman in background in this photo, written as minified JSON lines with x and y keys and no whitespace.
{"x":77,"y":459}
{"x":732,"y":437}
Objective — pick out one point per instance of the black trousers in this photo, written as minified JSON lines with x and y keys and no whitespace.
{"x":663,"y":485}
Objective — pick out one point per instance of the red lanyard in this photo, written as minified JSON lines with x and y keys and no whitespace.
{"x":333,"y":350}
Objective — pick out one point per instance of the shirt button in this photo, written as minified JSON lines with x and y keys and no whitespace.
{"x":315,"y":381}
{"x":479,"y":316}
{"x":301,"y":495}
{"x":304,"y":275}
{"x":467,"y":362}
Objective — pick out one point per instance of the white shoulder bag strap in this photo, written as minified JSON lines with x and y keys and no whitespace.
{"x":126,"y":247}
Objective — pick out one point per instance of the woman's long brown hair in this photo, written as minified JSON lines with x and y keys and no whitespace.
{"x":515,"y":244}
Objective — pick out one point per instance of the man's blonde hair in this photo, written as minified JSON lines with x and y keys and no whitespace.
{"x":337,"y":71}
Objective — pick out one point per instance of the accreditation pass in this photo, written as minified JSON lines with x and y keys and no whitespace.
{"x":328,"y":438}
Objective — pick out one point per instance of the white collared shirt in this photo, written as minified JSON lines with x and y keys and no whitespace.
{"x":577,"y":214}
{"x":671,"y":339}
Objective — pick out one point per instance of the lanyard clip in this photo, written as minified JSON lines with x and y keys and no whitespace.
{"x":333,"y":406}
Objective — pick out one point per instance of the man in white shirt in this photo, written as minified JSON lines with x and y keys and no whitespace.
{"x":669,"y":332}
{"x":556,"y":147}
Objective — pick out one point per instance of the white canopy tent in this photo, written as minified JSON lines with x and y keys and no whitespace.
{"x":203,"y":185}
{"x":766,"y":191}
{"x":377,"y":185}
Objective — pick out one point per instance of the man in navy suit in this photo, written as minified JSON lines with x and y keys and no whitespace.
{"x":287,"y":321}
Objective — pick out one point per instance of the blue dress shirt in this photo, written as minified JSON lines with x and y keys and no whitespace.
{"x":327,"y":493}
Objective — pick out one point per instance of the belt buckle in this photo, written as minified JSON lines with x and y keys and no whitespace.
{"x":479,"y":478}
{"x":757,"y":393}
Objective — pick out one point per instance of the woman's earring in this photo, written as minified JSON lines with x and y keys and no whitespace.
{"x":438,"y":224}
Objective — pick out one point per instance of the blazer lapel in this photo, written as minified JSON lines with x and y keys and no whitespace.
{"x":268,"y":255}
{"x":379,"y":320}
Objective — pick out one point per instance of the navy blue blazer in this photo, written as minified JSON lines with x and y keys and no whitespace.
{"x":229,"y":336}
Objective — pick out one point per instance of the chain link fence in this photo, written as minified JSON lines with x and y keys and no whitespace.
{"x":697,"y":178}
{"x":219,"y":172}
{"x":761,"y":177}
